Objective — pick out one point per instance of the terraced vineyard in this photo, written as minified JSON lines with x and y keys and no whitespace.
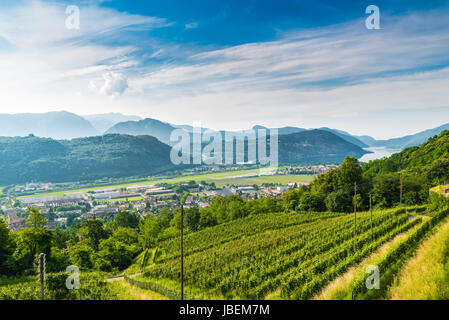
{"x":287,"y":256}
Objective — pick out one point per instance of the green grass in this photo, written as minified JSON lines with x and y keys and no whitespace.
{"x":125,"y":291}
{"x":341,"y":288}
{"x":277,"y":179}
{"x":424,"y":276}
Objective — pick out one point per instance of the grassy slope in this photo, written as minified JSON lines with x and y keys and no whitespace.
{"x":126,"y":291}
{"x":340,"y":288}
{"x":425,"y":276}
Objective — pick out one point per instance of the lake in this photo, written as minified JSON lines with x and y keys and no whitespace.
{"x":378,"y":153}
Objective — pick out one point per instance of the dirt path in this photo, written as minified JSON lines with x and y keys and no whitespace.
{"x":118,"y":278}
{"x":126,"y":291}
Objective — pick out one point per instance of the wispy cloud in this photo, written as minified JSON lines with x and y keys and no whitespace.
{"x":328,"y":73}
{"x":42,"y":53}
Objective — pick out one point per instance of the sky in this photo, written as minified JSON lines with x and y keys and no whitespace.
{"x":231,"y":64}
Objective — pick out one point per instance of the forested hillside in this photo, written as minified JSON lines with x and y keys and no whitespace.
{"x":429,"y":160}
{"x":25,"y":159}
{"x":315,"y":147}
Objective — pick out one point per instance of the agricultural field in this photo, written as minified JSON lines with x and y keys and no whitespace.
{"x":92,"y":287}
{"x":288,"y":255}
{"x":277,"y":179}
{"x":220,"y":178}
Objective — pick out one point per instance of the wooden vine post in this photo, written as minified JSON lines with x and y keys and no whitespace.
{"x":41,"y":272}
{"x":182,"y":252}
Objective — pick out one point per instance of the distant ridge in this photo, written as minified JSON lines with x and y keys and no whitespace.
{"x":151,"y":127}
{"x":412,"y":140}
{"x":57,"y":125}
{"x":102,"y":122}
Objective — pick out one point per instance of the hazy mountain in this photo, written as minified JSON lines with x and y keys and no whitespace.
{"x":315,"y":147}
{"x":370,"y":141}
{"x":412,"y":140}
{"x":346,"y":136}
{"x":151,"y":127}
{"x":283,"y":130}
{"x":102,"y":122}
{"x":25,"y":159}
{"x":342,"y":134}
{"x":57,"y":125}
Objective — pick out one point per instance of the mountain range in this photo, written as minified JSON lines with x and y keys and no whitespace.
{"x":57,"y":125}
{"x":66,"y":125}
{"x":31,"y":158}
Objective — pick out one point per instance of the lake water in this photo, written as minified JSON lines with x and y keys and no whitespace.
{"x":378,"y":153}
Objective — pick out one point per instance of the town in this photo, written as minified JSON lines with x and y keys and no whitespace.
{"x":64,"y":209}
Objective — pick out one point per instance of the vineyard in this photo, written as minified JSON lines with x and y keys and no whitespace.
{"x":93,"y":287}
{"x":280,"y":256}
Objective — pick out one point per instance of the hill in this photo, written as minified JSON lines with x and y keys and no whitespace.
{"x":430,"y":159}
{"x":56,"y":125}
{"x":346,"y":136}
{"x":24,"y":159}
{"x":151,"y":127}
{"x":315,"y":147}
{"x":102,"y":122}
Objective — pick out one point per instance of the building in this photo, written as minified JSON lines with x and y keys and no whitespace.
{"x":54,"y":201}
{"x":157,"y":191}
{"x":102,"y":210}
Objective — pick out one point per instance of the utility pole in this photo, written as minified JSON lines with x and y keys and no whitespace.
{"x":41,"y":273}
{"x":371,"y":210}
{"x":182,"y":252}
{"x":355,"y":211}
{"x":400,"y":196}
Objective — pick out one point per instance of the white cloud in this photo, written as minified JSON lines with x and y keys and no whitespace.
{"x":114,"y":85}
{"x":192,"y":25}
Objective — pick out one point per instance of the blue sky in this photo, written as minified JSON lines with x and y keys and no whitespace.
{"x":232,"y":64}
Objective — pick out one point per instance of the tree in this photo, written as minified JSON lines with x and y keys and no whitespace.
{"x":386,"y":190}
{"x":114,"y":254}
{"x":206,"y":219}
{"x":311,"y":202}
{"x":349,"y":172}
{"x":192,"y":218}
{"x":32,"y":240}
{"x":81,"y":255}
{"x":5,"y":247}
{"x":35,"y":219}
{"x":149,"y":232}
{"x":339,"y":201}
{"x":91,"y":231}
{"x":126,"y":219}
